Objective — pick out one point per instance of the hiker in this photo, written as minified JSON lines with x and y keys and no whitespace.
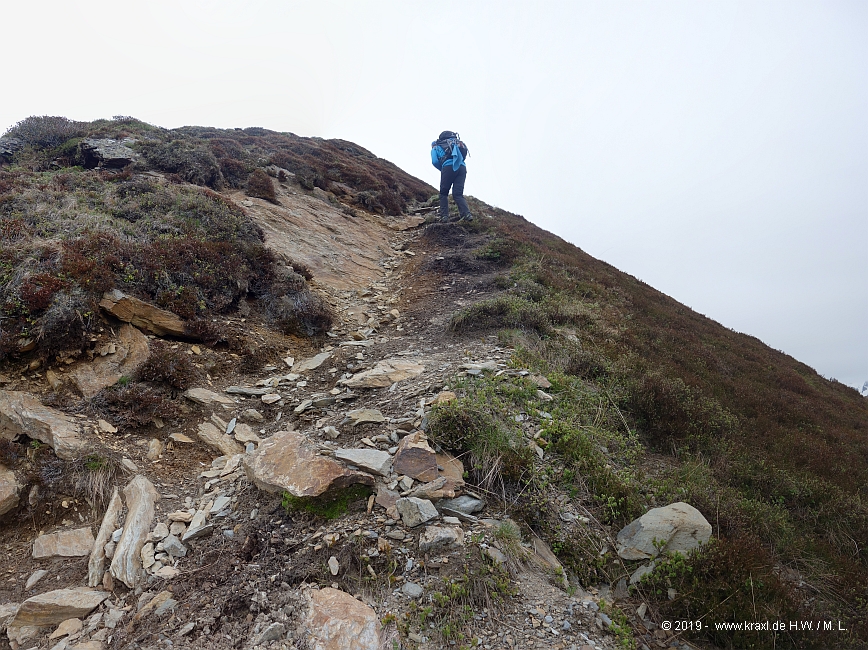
{"x":447,"y":154}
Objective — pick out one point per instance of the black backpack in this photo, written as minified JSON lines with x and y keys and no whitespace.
{"x":447,"y":140}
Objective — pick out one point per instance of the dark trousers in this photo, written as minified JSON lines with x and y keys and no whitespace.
{"x":455,"y":180}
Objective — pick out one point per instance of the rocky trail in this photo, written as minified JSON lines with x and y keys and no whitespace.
{"x":203,"y":540}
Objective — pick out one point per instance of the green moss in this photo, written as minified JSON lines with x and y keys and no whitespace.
{"x":329,"y":506}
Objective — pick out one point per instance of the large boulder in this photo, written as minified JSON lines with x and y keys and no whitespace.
{"x":9,"y":489}
{"x":131,"y":351}
{"x":64,"y":543}
{"x":285,"y":462}
{"x":337,"y":621}
{"x":106,"y":152}
{"x":678,"y":527}
{"x":56,"y":606}
{"x":141,"y":314}
{"x":141,"y":497}
{"x":384,"y":374}
{"x":23,"y":414}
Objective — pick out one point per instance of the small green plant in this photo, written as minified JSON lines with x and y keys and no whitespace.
{"x":330,"y":506}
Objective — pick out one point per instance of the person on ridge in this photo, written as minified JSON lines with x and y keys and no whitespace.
{"x":447,"y":154}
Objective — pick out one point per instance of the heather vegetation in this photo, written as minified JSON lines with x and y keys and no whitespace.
{"x":663,"y":404}
{"x":69,"y":232}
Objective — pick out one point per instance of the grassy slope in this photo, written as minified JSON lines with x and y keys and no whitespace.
{"x":775,"y":455}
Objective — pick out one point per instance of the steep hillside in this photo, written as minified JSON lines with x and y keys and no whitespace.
{"x":263,"y":329}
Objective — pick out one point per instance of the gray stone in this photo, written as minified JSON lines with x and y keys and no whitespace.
{"x":141,"y":497}
{"x":131,"y":352}
{"x":248,"y":391}
{"x":440,"y":538}
{"x":35,"y":577}
{"x":216,"y":439}
{"x":641,"y":572}
{"x":371,"y":460}
{"x":384,"y":374}
{"x":155,"y":449}
{"x":56,"y":606}
{"x":106,"y":152}
{"x":464,"y":504}
{"x":273,"y":632}
{"x":365,"y":416}
{"x":9,"y":489}
{"x":207,"y":397}
{"x":21,"y":413}
{"x":96,"y":562}
{"x":244,"y":433}
{"x":415,"y":511}
{"x":65,"y":543}
{"x":312,"y":363}
{"x":160,"y":531}
{"x":252,"y":415}
{"x":412,"y":590}
{"x":678,"y":527}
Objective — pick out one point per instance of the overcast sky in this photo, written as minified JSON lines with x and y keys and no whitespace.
{"x":716,"y":150}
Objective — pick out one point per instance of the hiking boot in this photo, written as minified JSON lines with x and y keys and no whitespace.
{"x":466,"y":217}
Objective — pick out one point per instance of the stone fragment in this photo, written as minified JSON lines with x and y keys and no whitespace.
{"x":386,"y":498}
{"x":544,"y":556}
{"x":35,"y":577}
{"x":415,"y":511}
{"x":464,"y":504}
{"x":160,"y":531}
{"x":247,"y":391}
{"x":21,"y":413}
{"x":337,"y":621}
{"x":141,"y":497}
{"x":180,"y":437}
{"x":495,"y":555}
{"x":166,"y":572}
{"x":147,"y":555}
{"x":412,"y":590}
{"x":177,"y":528}
{"x":215,"y":438}
{"x":334,"y":566}
{"x":106,"y":427}
{"x":244,"y":433}
{"x":312,"y":363}
{"x":331,"y":432}
{"x":141,"y":314}
{"x":285,"y":462}
{"x":65,"y":543}
{"x":433,"y":490}
{"x":371,"y":460}
{"x":252,"y":415}
{"x":641,"y":572}
{"x":365,"y":416}
{"x":415,"y":458}
{"x":155,"y":605}
{"x":384,"y":374}
{"x":678,"y":527}
{"x":540,"y":381}
{"x":96,"y":562}
{"x":485,"y":366}
{"x":131,"y":352}
{"x":180,"y":515}
{"x":56,"y":606}
{"x":155,"y":449}
{"x":66,"y":628}
{"x":273,"y":632}
{"x":9,"y":489}
{"x":440,"y":538}
{"x":271,"y":398}
{"x":207,"y":397}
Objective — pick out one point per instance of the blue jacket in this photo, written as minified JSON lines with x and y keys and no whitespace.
{"x":440,"y":157}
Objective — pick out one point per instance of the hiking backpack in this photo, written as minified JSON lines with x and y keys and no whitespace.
{"x":451,"y":146}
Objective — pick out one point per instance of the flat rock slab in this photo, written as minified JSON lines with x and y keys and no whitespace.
{"x":337,"y":621}
{"x":415,"y":458}
{"x":440,"y":538}
{"x":216,"y":439}
{"x":141,"y":314}
{"x":207,"y":397}
{"x":57,"y":606}
{"x":365,"y":416}
{"x":464,"y":504}
{"x":131,"y":352}
{"x":678,"y":527}
{"x":285,"y":462}
{"x":21,"y":413}
{"x":9,"y":489}
{"x":96,"y":561}
{"x":312,"y":363}
{"x":65,"y":543}
{"x":415,"y":511}
{"x":371,"y":460}
{"x":384,"y":374}
{"x":141,"y":497}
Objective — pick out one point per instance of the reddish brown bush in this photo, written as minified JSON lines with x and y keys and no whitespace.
{"x":259,"y":184}
{"x":169,"y":366}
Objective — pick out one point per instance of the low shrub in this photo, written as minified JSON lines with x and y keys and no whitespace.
{"x":169,"y":366}
{"x":134,"y":405}
{"x":191,"y":161}
{"x":501,"y":312}
{"x":46,"y":132}
{"x":259,"y":184}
